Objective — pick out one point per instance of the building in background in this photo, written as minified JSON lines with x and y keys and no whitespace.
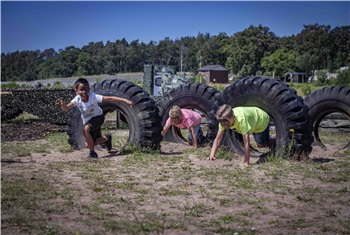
{"x":214,"y":74}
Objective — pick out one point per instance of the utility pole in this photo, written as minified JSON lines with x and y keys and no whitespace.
{"x":181,"y":55}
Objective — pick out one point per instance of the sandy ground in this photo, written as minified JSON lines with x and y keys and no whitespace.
{"x":284,"y":208}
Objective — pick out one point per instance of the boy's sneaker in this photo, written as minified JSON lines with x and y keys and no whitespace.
{"x":93,"y":155}
{"x":109,"y":142}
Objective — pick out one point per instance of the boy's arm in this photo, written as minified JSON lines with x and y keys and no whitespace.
{"x":64,"y":107}
{"x":216,"y":144}
{"x":165,"y":129}
{"x":116,"y":99}
{"x":194,"y":137}
{"x":246,"y":140}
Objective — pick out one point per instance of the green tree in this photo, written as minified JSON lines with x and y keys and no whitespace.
{"x":66,"y":62}
{"x":189,"y":59}
{"x":120,"y":55}
{"x":279,"y":62}
{"x":85,"y":64}
{"x":306,"y":62}
{"x":340,"y":52}
{"x":167,"y":52}
{"x":314,"y":42}
{"x":212,"y":50}
{"x":95,"y":51}
{"x":246,"y":49}
{"x":46,"y":69}
{"x":134,"y":55}
{"x":201,"y":58}
{"x":19,"y":66}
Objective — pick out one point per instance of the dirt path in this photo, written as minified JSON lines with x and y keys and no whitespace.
{"x":174,"y":192}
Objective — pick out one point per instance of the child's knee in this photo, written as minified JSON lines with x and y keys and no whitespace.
{"x":86,"y":129}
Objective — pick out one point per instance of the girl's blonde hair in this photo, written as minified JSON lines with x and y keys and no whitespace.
{"x":175,"y":112}
{"x":224,"y":112}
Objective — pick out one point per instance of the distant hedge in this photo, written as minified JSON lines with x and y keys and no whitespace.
{"x":39,"y":102}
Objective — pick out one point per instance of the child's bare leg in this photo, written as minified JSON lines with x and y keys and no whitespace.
{"x":88,"y":138}
{"x":270,"y":144}
{"x":100,"y":140}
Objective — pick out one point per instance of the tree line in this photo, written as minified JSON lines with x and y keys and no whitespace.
{"x":253,"y":51}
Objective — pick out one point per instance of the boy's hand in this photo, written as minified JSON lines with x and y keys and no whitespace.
{"x":59,"y":102}
{"x":129,"y":103}
{"x":211,"y":158}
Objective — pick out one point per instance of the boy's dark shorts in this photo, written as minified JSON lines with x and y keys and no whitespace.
{"x":95,"y":124}
{"x":263,"y":137}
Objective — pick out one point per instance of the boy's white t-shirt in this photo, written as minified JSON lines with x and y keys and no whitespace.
{"x":89,"y":109}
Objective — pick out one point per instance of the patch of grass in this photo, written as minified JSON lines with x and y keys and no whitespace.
{"x":23,"y":118}
{"x":197,"y":210}
{"x":59,"y":141}
{"x":21,"y":149}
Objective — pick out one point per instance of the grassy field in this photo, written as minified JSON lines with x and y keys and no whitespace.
{"x":46,"y":188}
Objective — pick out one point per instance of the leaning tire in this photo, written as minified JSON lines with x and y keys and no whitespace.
{"x":325,"y":101}
{"x":285,"y":108}
{"x":198,"y":97}
{"x":143,"y":118}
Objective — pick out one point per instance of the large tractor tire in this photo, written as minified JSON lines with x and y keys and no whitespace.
{"x":195,"y":96}
{"x":143,"y":118}
{"x":287,"y":112}
{"x":327,"y":100}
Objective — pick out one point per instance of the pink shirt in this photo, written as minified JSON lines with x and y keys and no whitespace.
{"x":189,"y":118}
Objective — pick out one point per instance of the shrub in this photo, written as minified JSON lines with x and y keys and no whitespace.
{"x":197,"y":79}
{"x":57,"y":85}
{"x":321,"y":77}
{"x":306,"y":89}
{"x":343,"y":78}
{"x":10,"y":85}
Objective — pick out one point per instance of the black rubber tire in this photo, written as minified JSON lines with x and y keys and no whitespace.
{"x":285,"y":108}
{"x":195,"y":96}
{"x":325,"y":101}
{"x":143,"y":118}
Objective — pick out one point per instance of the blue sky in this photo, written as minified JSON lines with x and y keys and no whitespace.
{"x":42,"y":25}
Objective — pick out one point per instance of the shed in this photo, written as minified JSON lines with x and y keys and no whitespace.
{"x":296,"y":77}
{"x":214,"y":73}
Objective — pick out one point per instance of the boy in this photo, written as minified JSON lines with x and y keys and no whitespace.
{"x":91,"y":114}
{"x":185,"y":118}
{"x":244,"y":120}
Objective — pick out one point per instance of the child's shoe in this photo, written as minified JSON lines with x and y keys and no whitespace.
{"x":109,"y":142}
{"x":93,"y":155}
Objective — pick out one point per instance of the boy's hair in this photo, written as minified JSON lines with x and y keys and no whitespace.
{"x":175,"y":112}
{"x":224,"y":112}
{"x":81,"y":81}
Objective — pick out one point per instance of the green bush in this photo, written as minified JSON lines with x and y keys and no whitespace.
{"x":197,"y":79}
{"x":306,"y":89}
{"x":343,"y":78}
{"x":321,"y":77}
{"x":10,"y":85}
{"x":57,"y":85}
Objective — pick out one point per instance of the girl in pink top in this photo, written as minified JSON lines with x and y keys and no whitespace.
{"x":185,"y":118}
